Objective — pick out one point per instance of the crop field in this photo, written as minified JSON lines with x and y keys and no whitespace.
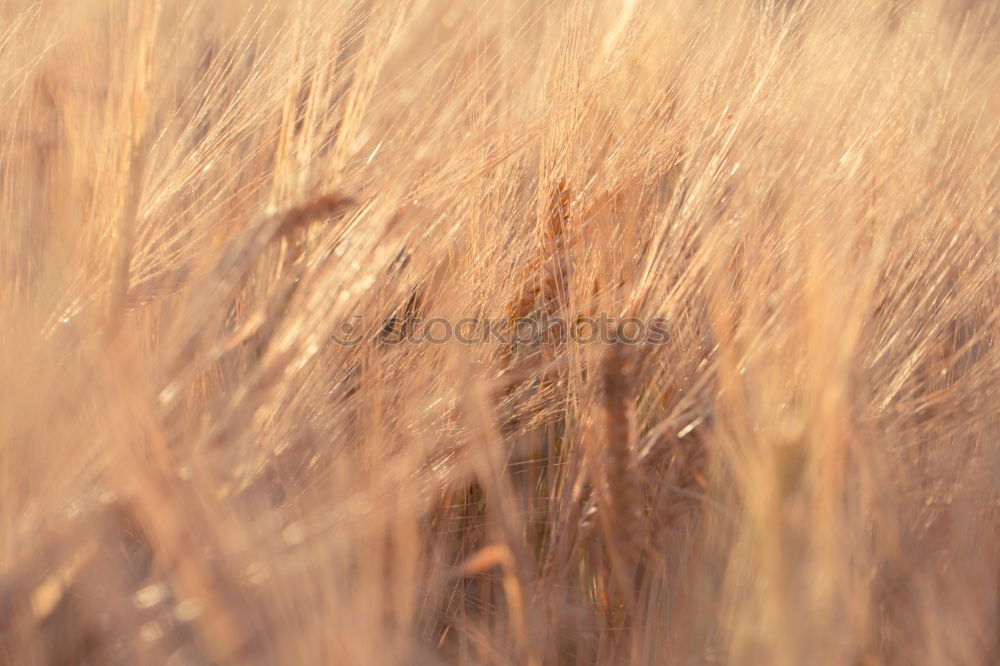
{"x":489,"y":332}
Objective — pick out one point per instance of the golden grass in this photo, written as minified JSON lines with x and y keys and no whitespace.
{"x":196,"y":197}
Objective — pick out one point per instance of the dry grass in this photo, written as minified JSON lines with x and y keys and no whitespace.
{"x":195,"y":197}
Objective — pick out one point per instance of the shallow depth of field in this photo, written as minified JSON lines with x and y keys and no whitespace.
{"x":199,"y":199}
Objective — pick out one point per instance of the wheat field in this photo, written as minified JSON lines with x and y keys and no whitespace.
{"x":229,"y":434}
